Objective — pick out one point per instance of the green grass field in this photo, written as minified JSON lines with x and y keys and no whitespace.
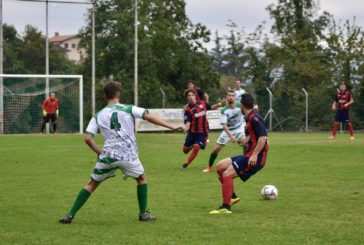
{"x":320,"y":182}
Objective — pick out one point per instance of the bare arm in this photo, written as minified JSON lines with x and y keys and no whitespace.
{"x":187,"y":126}
{"x":206,"y":96}
{"x":228,"y":132}
{"x":350,"y":102}
{"x":261,"y":142}
{"x":333,"y":106}
{"x":159,"y":121}
{"x":89,"y":140}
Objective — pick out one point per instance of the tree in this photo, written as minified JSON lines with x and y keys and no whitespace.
{"x":170,"y":50}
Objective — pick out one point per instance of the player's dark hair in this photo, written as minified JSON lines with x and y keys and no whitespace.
{"x":112,"y":90}
{"x":247,"y":101}
{"x":190,"y":81}
{"x":185,"y":93}
{"x":230,"y":91}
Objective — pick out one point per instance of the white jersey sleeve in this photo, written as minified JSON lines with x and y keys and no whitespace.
{"x":138,"y":112}
{"x":223,"y":118}
{"x":92,"y":127}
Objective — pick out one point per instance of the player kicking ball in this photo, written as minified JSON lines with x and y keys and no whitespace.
{"x":120,"y":150}
{"x":248,"y":164}
{"x":233,"y":123}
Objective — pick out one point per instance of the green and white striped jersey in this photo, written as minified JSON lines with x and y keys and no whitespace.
{"x":232,"y":117}
{"x":116,"y":124}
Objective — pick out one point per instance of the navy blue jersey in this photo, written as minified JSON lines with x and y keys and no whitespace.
{"x":255,"y":128}
{"x":199,"y":93}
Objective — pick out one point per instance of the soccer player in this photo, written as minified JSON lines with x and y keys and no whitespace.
{"x":200,"y":93}
{"x":50,"y":112}
{"x":238,"y":91}
{"x":233,"y":123}
{"x":245,"y":165}
{"x":344,"y":99}
{"x":120,"y":151}
{"x":196,"y":125}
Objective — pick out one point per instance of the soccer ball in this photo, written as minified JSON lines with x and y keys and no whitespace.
{"x":269,"y":192}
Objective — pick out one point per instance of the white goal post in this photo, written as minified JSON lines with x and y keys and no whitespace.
{"x":4,"y":91}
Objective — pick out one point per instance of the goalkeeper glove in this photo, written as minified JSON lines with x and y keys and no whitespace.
{"x":44,"y":113}
{"x":57,"y":112}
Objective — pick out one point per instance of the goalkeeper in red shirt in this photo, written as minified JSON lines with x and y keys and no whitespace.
{"x":50,"y":112}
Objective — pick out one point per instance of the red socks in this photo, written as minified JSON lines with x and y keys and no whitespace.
{"x":227,"y":189}
{"x":193,"y":154}
{"x":351,"y":129}
{"x":334,"y":129}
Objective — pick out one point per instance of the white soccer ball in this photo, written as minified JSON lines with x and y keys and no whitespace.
{"x":269,"y":192}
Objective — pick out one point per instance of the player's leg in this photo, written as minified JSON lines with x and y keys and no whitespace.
{"x":350,"y":125}
{"x":45,"y":120}
{"x":81,"y":199}
{"x":199,"y":140}
{"x":103,"y":170}
{"x":336,"y":125}
{"x":142,"y":194}
{"x":213,"y":155}
{"x":226,"y":174}
{"x":54,"y":123}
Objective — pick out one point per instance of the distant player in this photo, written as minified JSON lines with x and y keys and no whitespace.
{"x":233,"y":123}
{"x":120,"y":150}
{"x":343,"y":99}
{"x":245,"y":165}
{"x":238,"y":91}
{"x":199,"y":92}
{"x":50,"y":112}
{"x":196,"y":125}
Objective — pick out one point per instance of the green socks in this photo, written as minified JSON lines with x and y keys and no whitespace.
{"x":212,"y":159}
{"x":82,"y":197}
{"x":142,"y":193}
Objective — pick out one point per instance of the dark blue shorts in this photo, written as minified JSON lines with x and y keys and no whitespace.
{"x":342,"y":115}
{"x":196,"y":138}
{"x":243,"y":170}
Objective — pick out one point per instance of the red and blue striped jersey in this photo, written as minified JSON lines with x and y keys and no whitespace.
{"x":196,"y":115}
{"x":255,"y":128}
{"x":342,"y":99}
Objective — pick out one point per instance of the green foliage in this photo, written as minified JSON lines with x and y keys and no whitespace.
{"x":307,"y":51}
{"x":320,"y":196}
{"x":170,"y":50}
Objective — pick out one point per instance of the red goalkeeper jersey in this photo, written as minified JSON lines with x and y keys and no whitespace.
{"x":50,"y":106}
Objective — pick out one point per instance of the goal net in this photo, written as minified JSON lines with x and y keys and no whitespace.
{"x":23,"y":95}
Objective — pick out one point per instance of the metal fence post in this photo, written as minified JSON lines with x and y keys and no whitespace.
{"x":306,"y":94}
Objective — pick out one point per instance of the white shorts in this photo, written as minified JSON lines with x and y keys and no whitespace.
{"x":106,"y":168}
{"x":238,"y":133}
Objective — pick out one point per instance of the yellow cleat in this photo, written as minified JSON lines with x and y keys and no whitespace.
{"x":331,"y":138}
{"x":221,"y":211}
{"x":352,"y":138}
{"x":234,"y":201}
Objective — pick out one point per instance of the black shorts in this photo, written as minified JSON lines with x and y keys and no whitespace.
{"x":196,"y":138}
{"x":50,"y":117}
{"x":243,"y":170}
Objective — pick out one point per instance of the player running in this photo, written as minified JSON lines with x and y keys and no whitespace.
{"x":233,"y":123}
{"x":248,"y":164}
{"x":120,"y":150}
{"x":344,"y":99}
{"x":196,"y":125}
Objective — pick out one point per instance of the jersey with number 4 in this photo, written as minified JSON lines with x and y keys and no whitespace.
{"x":116,"y":124}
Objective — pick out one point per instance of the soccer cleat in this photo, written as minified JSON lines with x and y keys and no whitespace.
{"x":184,"y":166}
{"x":146,"y":216}
{"x":221,"y":210}
{"x":207,"y":169}
{"x":332,"y":137}
{"x":234,"y":201}
{"x":352,"y":138}
{"x":66,"y":220}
